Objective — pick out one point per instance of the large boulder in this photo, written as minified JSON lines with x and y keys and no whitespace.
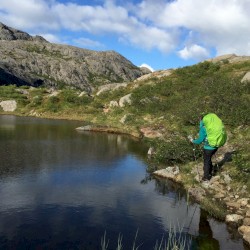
{"x":8,"y":106}
{"x":125,"y":100}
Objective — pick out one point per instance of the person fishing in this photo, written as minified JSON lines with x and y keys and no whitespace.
{"x":213,"y":135}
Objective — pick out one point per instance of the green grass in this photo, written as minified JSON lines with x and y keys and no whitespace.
{"x":174,"y":241}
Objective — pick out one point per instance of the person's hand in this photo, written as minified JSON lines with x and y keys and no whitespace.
{"x":190,"y":138}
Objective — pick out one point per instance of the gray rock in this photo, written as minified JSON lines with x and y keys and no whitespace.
{"x":123,"y":119}
{"x":243,"y":202}
{"x":227,"y":178}
{"x":206,"y":184}
{"x":8,"y":106}
{"x":27,"y":60}
{"x":234,"y":219}
{"x":171,"y":173}
{"x":246,"y":77}
{"x":246,"y":238}
{"x":84,"y":128}
{"x":109,"y":87}
{"x":113,"y":104}
{"x":197,"y":193}
{"x":125,"y":100}
{"x":151,"y":151}
{"x":9,"y":34}
{"x":83,"y":93}
{"x":233,"y":205}
{"x":230,"y":58}
{"x":246,"y":222}
{"x":150,"y":132}
{"x":23,"y":91}
{"x":219,"y":196}
{"x":244,"y":230}
{"x":248,"y":213}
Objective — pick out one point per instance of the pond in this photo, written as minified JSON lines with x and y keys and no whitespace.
{"x":63,"y":189}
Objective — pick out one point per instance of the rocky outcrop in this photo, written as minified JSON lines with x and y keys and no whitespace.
{"x":10,"y":34}
{"x":27,"y":60}
{"x":230,"y":58}
{"x":236,"y":202}
{"x":111,"y":86}
{"x":156,"y":74}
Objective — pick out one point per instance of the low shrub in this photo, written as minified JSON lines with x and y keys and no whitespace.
{"x":176,"y":151}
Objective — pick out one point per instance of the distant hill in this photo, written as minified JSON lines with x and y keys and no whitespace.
{"x":31,"y":60}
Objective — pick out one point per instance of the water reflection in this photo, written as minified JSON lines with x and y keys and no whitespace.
{"x":61,"y":189}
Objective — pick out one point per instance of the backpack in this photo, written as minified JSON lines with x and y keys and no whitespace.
{"x":216,"y":133}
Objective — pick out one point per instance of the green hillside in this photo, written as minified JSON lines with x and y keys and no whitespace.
{"x":168,"y":106}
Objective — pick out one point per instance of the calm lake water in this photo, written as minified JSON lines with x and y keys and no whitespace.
{"x":62,"y":189}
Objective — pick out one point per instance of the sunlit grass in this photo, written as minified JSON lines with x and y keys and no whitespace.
{"x":174,"y":240}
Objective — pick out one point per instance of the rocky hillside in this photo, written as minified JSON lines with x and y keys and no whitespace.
{"x":28,"y":60}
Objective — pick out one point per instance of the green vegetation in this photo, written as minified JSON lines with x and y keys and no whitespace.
{"x":215,"y":209}
{"x":169,"y":105}
{"x":42,"y":50}
{"x":174,"y":241}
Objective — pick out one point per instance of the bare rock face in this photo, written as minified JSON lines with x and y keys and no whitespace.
{"x":27,"y":60}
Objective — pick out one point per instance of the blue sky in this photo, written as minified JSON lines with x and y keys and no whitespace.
{"x":162,"y":34}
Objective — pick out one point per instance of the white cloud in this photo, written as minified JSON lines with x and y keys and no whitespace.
{"x":223,"y":24}
{"x":194,"y":51}
{"x":43,"y":17}
{"x":163,"y":25}
{"x":28,"y":14}
{"x":87,"y":43}
{"x":51,"y":38}
{"x":147,"y":66}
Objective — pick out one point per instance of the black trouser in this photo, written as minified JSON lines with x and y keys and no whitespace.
{"x":208,"y":166}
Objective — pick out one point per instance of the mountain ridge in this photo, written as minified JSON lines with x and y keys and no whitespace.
{"x":33,"y":61}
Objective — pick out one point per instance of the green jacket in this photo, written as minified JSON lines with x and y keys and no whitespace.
{"x":203,"y":137}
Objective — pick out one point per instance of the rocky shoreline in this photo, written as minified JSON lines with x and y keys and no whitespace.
{"x":236,"y":202}
{"x":219,"y":188}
